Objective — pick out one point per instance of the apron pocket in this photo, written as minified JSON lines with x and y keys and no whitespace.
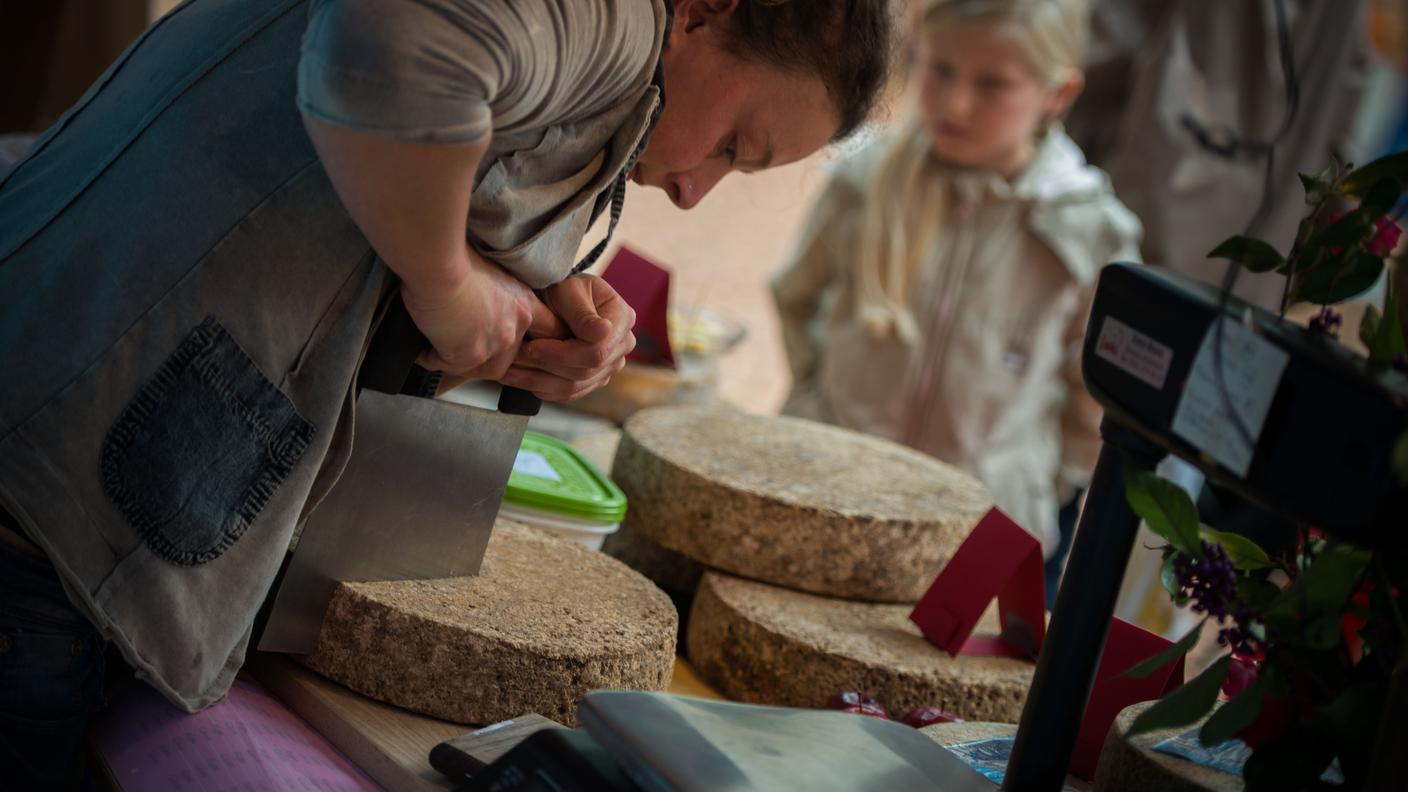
{"x":195,"y":456}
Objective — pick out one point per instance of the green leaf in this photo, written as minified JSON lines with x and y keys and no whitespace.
{"x":1369,"y":327}
{"x":1400,"y":460}
{"x":1245,"y":553}
{"x":1381,"y":197}
{"x":1257,"y":593}
{"x":1350,"y":229}
{"x":1354,"y":711}
{"x":1169,"y":578}
{"x":1165,"y":507}
{"x":1305,"y":259}
{"x":1316,"y":186}
{"x":1239,"y":713}
{"x":1282,"y":616}
{"x":1304,"y":231}
{"x":1255,"y":255}
{"x":1149,"y":665}
{"x":1333,"y":576}
{"x":1322,"y":589}
{"x":1328,"y":284}
{"x":1323,"y":634}
{"x":1386,"y":339}
{"x":1186,"y":704}
{"x":1358,"y":183}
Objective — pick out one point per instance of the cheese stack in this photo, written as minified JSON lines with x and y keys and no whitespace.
{"x":805,"y":546}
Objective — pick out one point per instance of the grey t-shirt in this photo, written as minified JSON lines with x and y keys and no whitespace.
{"x":562,"y":85}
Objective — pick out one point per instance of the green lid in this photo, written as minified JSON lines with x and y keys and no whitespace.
{"x":551,"y":476}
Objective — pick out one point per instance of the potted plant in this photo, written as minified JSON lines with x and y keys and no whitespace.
{"x":1314,"y":635}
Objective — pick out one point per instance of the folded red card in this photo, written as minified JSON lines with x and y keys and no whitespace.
{"x":998,"y":559}
{"x":1126,"y":647}
{"x":645,"y":286}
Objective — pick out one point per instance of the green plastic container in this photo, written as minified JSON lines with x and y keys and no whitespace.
{"x":554,"y":487}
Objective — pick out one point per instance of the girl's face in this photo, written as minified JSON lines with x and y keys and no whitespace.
{"x":725,"y":114}
{"x":980,"y":100}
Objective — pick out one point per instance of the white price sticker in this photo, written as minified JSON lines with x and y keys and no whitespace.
{"x":1251,"y":373}
{"x":1134,"y":353}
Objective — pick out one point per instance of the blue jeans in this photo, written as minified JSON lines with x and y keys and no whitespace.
{"x":1066,"y":520}
{"x":51,"y":677}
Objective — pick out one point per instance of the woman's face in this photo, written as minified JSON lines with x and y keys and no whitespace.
{"x":725,"y":114}
{"x":981,"y":101}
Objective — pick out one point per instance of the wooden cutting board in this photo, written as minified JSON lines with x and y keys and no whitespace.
{"x":391,"y":744}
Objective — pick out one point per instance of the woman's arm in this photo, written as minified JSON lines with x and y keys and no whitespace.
{"x":411,"y":201}
{"x":400,"y":100}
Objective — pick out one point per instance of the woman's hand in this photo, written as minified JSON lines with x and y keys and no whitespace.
{"x":411,"y":200}
{"x":600,"y":323}
{"x":477,"y":322}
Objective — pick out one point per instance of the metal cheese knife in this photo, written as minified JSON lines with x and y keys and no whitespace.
{"x":418,"y":497}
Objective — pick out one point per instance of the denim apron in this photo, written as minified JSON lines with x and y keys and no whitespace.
{"x":185,"y":306}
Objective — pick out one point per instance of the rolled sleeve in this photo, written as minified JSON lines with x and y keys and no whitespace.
{"x":400,"y":69}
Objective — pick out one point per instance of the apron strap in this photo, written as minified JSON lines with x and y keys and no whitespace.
{"x":618,"y":187}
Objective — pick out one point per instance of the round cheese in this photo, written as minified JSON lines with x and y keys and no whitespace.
{"x":543,"y":623}
{"x":769,"y":645}
{"x":793,"y":502}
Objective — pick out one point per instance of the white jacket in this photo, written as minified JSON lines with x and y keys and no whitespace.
{"x":993,"y":385}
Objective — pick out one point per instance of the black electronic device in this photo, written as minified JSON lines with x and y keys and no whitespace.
{"x":1280,"y":416}
{"x":1324,"y":451}
{"x":552,"y":760}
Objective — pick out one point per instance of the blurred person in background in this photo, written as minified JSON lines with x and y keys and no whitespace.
{"x":939,"y":292}
{"x":1182,"y":101}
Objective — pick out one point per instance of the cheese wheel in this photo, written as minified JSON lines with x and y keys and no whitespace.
{"x":794,"y":503}
{"x":1132,"y":763}
{"x":543,"y":623}
{"x":769,"y":645}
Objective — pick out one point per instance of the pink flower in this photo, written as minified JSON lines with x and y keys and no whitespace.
{"x":1382,"y":243}
{"x":1385,"y":239}
{"x":1241,"y":673}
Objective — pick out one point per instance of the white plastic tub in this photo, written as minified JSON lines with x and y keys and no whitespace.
{"x":556,"y":489}
{"x":591,"y":534}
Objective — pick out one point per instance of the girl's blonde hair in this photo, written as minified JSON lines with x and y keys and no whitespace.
{"x":903,"y":211}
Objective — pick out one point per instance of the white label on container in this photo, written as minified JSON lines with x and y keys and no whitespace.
{"x":531,"y":463}
{"x":1251,"y":373}
{"x":1133,"y":352}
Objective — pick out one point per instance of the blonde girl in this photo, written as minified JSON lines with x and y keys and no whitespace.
{"x":939,"y":293}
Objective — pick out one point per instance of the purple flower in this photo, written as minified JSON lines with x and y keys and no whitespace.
{"x":1210,"y":584}
{"x":1327,"y":322}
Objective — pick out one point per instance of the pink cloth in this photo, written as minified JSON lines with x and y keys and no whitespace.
{"x":248,"y":741}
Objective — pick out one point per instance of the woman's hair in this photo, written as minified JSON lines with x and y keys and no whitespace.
{"x":850,"y":44}
{"x":903,"y":211}
{"x":1051,"y":33}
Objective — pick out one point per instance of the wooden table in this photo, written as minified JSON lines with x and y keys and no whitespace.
{"x":390,"y":744}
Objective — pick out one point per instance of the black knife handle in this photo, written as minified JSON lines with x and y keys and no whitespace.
{"x":389,"y":365}
{"x":516,"y":401}
{"x":391,"y":356}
